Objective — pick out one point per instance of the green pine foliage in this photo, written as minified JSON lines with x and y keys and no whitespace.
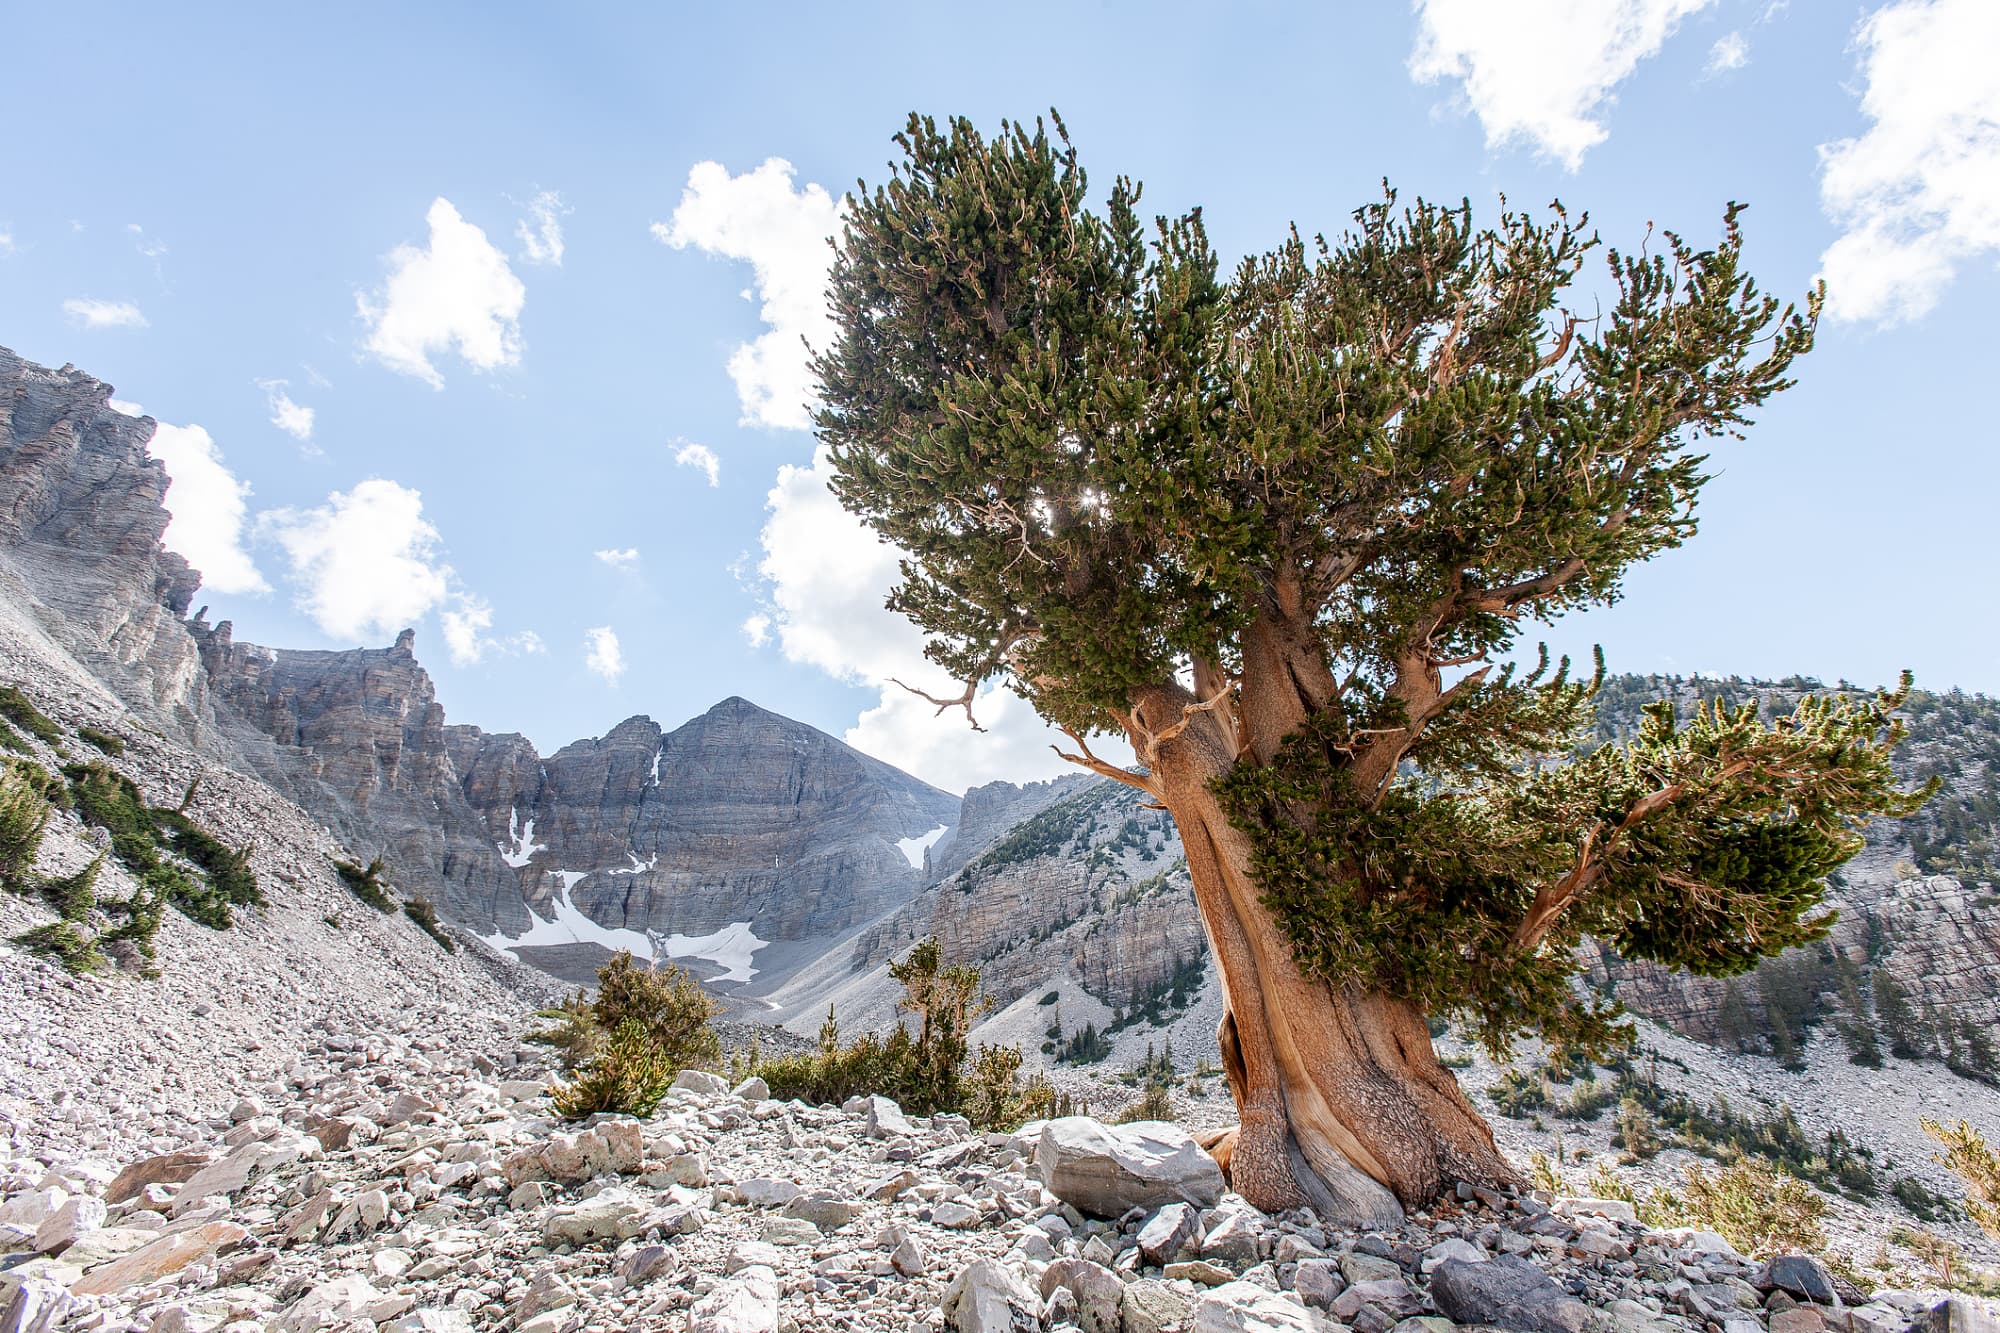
{"x":1322,"y":482}
{"x":366,"y":883}
{"x":925,"y":1067}
{"x":103,"y":740}
{"x":1973,"y":1160}
{"x":76,"y":951}
{"x":629,"y":1076}
{"x":24,"y":814}
{"x":624,"y":1046}
{"x":420,"y":911}
{"x":1756,"y":1207}
{"x":18,"y":709}
{"x":206,"y":881}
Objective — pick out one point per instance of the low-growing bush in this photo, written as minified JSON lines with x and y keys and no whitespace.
{"x":1155,"y":1103}
{"x":625,"y":1045}
{"x":420,"y":911}
{"x":16,"y":708}
{"x":1924,"y":1203}
{"x":1756,"y":1207}
{"x":140,"y":834}
{"x":1968,"y":1156}
{"x":628,"y":1075}
{"x":103,"y":740}
{"x":925,"y":1071}
{"x":366,"y":883}
{"x":62,"y":941}
{"x":24,"y":814}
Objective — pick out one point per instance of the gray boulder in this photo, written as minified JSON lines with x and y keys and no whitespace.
{"x":1506,"y":1292}
{"x":1104,"y":1170}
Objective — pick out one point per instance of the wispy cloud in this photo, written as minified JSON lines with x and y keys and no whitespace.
{"x":625,"y":559}
{"x":541,"y":233}
{"x":291,"y":417}
{"x":89,"y":313}
{"x":702,"y":457}
{"x":1731,"y":51}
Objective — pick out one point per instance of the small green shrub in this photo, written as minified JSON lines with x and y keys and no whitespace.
{"x":925,"y":1072}
{"x":16,"y":708}
{"x":1756,"y":1207}
{"x":62,"y":941}
{"x":645,"y":1025}
{"x":420,"y":911}
{"x":1968,"y":1156}
{"x":11,"y":739}
{"x":575,"y":1036}
{"x":103,"y":740}
{"x":227,"y":868}
{"x":74,"y":895}
{"x":629,"y":1076}
{"x":366,"y":883}
{"x":1518,"y":1093}
{"x":24,"y":815}
{"x":1155,"y":1103}
{"x":1588,"y":1099}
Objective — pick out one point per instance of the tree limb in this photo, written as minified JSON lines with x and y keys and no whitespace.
{"x":1086,"y":759}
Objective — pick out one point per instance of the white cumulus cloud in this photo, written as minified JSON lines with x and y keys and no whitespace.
{"x":783,"y":233}
{"x":1541,"y":71}
{"x":1918,"y":193}
{"x":293,"y":418}
{"x":625,"y":559}
{"x":540,"y":233}
{"x":89,"y":313}
{"x":125,"y":408}
{"x":602,"y":655}
{"x":702,"y":457}
{"x":209,"y":509}
{"x":456,"y":294}
{"x":825,"y":576}
{"x":367,"y":562}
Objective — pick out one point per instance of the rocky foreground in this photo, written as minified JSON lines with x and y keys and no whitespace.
{"x":398,"y":1183}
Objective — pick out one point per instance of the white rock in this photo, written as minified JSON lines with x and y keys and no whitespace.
{"x":616,"y":1214}
{"x":745,"y":1303}
{"x":1106,"y":1169}
{"x":990,"y":1298}
{"x":34,"y":1207}
{"x":886,"y":1120}
{"x":753,"y":1089}
{"x":767,"y":1191}
{"x":1245,"y":1307}
{"x":701,"y":1082}
{"x":432,"y":1321}
{"x":69,"y":1224}
{"x":335,"y":1302}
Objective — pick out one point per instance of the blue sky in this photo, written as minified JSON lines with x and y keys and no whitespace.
{"x":234,"y":216}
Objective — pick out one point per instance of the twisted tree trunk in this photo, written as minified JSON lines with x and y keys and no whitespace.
{"x":1342,"y":1102}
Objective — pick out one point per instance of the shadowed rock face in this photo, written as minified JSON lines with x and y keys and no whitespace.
{"x":80,"y":526}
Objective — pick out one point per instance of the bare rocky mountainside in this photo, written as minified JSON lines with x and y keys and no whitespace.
{"x":247,"y":1084}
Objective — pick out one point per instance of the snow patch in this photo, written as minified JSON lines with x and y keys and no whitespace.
{"x":731,"y":948}
{"x":637,"y":867}
{"x":913,"y":849}
{"x":525,"y":846}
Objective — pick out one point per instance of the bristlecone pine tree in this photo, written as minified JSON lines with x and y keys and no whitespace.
{"x":1280,"y":531}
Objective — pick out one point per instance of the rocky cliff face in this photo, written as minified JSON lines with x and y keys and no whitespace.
{"x":1087,"y":886}
{"x":80,"y":527}
{"x":739,"y":821}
